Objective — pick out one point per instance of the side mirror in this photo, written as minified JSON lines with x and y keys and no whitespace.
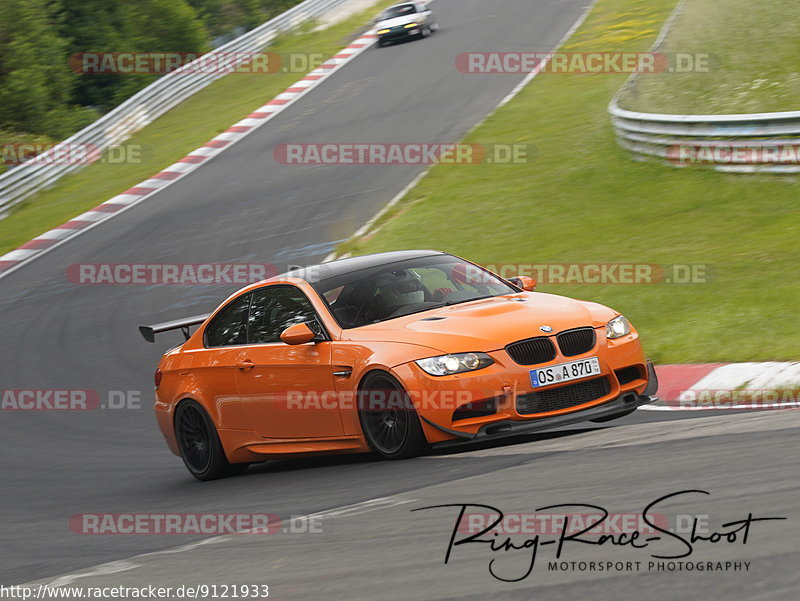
{"x":525,"y":282}
{"x":299,"y":333}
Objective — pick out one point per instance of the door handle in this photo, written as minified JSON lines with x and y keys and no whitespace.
{"x":245,"y":364}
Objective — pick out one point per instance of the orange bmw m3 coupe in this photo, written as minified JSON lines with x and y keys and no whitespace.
{"x":392,"y":353}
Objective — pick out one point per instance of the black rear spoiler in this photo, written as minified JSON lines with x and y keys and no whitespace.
{"x":149,"y":332}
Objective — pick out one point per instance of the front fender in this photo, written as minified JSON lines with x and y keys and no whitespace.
{"x":361,"y":358}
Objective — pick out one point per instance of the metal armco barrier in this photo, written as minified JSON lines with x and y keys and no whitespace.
{"x":745,"y":143}
{"x":145,"y":106}
{"x":760,"y":142}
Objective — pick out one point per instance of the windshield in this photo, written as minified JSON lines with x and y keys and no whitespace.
{"x":388,"y":291}
{"x":398,"y":11}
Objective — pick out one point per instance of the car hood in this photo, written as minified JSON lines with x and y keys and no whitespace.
{"x":486,"y":325}
{"x":398,"y":21}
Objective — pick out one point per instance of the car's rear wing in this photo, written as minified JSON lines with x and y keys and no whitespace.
{"x":149,"y":332}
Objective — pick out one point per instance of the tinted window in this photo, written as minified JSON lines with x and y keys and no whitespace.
{"x":274,"y":309}
{"x":398,"y":11}
{"x":229,"y":326}
{"x":387,"y":291}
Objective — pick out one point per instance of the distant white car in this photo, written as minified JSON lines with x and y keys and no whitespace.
{"x":404,"y":21}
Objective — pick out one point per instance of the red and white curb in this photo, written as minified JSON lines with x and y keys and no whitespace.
{"x":47,"y":241}
{"x":738,"y":386}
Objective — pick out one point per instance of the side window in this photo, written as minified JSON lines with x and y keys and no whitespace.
{"x":229,"y":326}
{"x":274,"y":309}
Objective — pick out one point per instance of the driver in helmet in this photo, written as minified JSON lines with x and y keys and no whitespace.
{"x":398,"y":289}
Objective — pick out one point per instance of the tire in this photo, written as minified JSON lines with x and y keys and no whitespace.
{"x":199,"y":444}
{"x":381,"y":43}
{"x":609,"y":418}
{"x":388,"y":419}
{"x":425,"y":32}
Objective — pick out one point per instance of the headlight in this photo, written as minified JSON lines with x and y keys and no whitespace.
{"x":410,"y":25}
{"x":617,"y":328}
{"x":383,"y":31}
{"x":454,"y":364}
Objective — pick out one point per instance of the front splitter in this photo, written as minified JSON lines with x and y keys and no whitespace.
{"x":499,"y":430}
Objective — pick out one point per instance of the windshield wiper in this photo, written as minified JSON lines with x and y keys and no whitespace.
{"x":469,"y":300}
{"x":436,"y":306}
{"x":444,"y":304}
{"x":421,"y":310}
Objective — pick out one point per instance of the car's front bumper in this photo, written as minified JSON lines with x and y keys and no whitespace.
{"x":504,"y":429}
{"x":517,"y":407}
{"x":401,"y":33}
{"x":622,"y":405}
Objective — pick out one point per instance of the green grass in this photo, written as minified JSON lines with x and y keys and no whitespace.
{"x":582,"y":199}
{"x":176,"y":133}
{"x":754,"y":67}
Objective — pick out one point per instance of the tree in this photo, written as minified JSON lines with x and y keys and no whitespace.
{"x":35,"y":80}
{"x":96,"y":26}
{"x":223,"y":18}
{"x":100,"y":26}
{"x":166,"y":25}
{"x":39,"y":91}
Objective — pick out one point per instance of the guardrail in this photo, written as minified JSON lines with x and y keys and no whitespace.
{"x":145,"y":106}
{"x":744,"y":143}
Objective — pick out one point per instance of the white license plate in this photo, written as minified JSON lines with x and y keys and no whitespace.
{"x":564,"y":372}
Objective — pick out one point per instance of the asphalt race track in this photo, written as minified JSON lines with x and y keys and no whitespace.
{"x":243,"y":207}
{"x":382,"y":550}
